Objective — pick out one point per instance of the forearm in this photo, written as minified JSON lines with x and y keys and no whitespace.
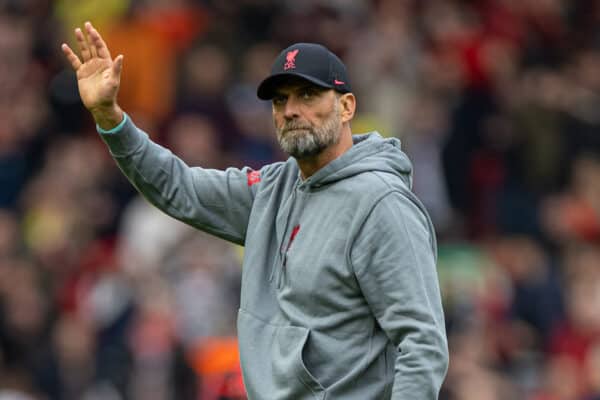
{"x":399,"y":280}
{"x":420,"y":368}
{"x":217,"y":202}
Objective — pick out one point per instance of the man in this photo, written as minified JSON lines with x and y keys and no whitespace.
{"x":340,"y":298}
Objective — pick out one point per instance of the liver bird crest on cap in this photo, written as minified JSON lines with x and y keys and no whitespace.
{"x":290,"y":58}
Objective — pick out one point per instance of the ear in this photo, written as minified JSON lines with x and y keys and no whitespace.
{"x":348,"y":106}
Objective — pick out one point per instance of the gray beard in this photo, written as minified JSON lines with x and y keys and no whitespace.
{"x":302,"y":141}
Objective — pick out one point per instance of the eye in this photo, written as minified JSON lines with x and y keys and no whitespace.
{"x":278,"y":100}
{"x":307,"y":93}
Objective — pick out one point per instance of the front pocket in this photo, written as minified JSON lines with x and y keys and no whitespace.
{"x":272,"y":362}
{"x":290,"y":343}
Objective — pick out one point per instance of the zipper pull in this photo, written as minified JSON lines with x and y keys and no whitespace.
{"x":289,"y":245}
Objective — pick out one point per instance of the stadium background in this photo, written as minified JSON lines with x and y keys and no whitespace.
{"x":496,"y":101}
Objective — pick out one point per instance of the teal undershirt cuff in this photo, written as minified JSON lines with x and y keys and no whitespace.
{"x":116,"y":128}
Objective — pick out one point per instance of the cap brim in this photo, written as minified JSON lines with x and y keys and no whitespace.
{"x":266,"y":89}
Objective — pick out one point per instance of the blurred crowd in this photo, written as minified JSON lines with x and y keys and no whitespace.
{"x":497,"y":102}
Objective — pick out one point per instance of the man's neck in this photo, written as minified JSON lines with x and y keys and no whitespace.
{"x":309,"y":165}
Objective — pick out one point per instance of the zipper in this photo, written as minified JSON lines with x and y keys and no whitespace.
{"x":283,"y":273}
{"x":280,"y":259}
{"x":287,"y":248}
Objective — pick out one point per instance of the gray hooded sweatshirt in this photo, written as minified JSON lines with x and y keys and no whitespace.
{"x":340,"y":296}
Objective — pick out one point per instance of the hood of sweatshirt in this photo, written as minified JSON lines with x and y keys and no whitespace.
{"x":370,"y":152}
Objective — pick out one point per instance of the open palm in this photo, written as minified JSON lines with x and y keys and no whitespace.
{"x":98,"y":75}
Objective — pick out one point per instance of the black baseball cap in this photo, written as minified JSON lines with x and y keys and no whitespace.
{"x":310,"y":61}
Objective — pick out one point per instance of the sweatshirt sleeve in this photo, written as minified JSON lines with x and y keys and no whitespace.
{"x":218,"y":202}
{"x":395,"y":264}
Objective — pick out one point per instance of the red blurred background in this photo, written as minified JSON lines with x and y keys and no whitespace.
{"x":497,"y":102}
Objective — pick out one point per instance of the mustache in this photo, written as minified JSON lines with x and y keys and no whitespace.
{"x":290,"y":126}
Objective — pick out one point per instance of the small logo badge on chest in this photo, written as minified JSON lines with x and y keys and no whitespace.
{"x":253,"y":177}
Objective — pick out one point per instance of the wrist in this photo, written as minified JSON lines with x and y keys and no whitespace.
{"x":108,"y":118}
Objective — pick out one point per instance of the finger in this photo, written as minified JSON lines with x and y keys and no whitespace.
{"x":88,"y":40}
{"x":118,"y":65}
{"x":99,"y":44}
{"x":71,"y":56}
{"x":86,"y":55}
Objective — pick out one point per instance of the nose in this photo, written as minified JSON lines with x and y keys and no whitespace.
{"x":291,"y":109}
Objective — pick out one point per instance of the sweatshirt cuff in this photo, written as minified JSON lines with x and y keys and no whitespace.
{"x":115,"y":129}
{"x":124,"y":139}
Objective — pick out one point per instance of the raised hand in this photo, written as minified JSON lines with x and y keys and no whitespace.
{"x":98,"y":76}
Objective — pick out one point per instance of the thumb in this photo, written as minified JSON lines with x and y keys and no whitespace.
{"x":118,"y":65}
